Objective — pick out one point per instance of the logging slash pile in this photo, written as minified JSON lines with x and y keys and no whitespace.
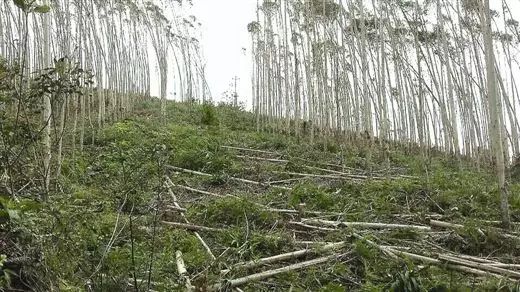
{"x":191,"y":203}
{"x":322,"y":239}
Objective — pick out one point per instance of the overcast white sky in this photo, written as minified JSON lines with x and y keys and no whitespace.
{"x":224,"y":36}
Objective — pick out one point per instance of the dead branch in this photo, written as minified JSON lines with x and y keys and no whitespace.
{"x":262,"y":159}
{"x":365,"y":225}
{"x":286,"y":180}
{"x":311,"y":226}
{"x":312,"y":243}
{"x":312,"y":175}
{"x":191,"y":227}
{"x":175,"y":208}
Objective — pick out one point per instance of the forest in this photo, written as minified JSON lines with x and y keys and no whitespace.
{"x":380,"y":150}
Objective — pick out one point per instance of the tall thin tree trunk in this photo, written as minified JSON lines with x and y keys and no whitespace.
{"x":495,"y":113}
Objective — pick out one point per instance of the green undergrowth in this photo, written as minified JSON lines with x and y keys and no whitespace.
{"x":233,"y":211}
{"x":102,"y":226}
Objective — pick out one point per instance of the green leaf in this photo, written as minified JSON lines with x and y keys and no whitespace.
{"x":21,"y":4}
{"x":42,"y":9}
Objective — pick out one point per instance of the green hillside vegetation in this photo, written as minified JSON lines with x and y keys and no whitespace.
{"x":130,"y":207}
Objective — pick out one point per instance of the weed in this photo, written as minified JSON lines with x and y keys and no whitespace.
{"x":406,"y":281}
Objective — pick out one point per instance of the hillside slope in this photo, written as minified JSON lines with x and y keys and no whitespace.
{"x":201,"y":198}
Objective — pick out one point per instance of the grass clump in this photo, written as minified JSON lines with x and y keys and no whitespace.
{"x":209,"y":115}
{"x":478,"y":190}
{"x":234,"y":211}
{"x":406,"y":281}
{"x":251,"y":244}
{"x":314,"y":197}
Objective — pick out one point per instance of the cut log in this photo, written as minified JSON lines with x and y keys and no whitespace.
{"x":475,"y":259}
{"x":327,"y":170}
{"x":459,"y":268}
{"x":311,"y":227}
{"x":269,"y":209}
{"x":443,"y":224}
{"x":365,"y":225}
{"x":310,"y":167}
{"x":270,"y":273}
{"x":500,"y":232}
{"x":189,"y":171}
{"x":480,"y":266}
{"x":505,"y":266}
{"x":498,"y":222}
{"x":176,"y":203}
{"x":181,"y":268}
{"x":231,"y":178}
{"x":251,"y":150}
{"x":285,"y":256}
{"x":313,"y":243}
{"x":336,"y":177}
{"x":297,"y":158}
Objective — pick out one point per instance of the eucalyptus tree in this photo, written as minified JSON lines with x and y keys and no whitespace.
{"x":254,"y":29}
{"x":47,"y":108}
{"x":63,"y":44}
{"x":409,"y":71}
{"x":158,"y":25}
{"x":495,"y":111}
